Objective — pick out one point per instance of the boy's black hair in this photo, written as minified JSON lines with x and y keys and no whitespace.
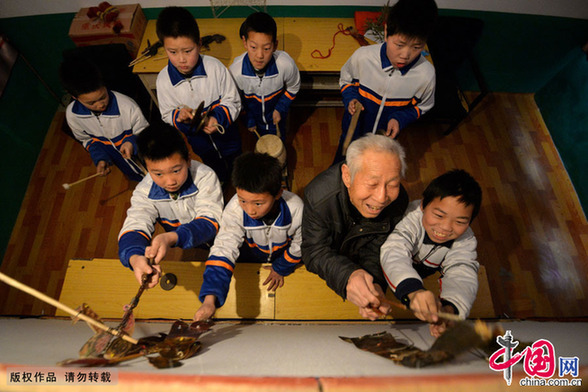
{"x":79,"y":75}
{"x":177,"y":22}
{"x":257,"y":173}
{"x":160,"y":141}
{"x":412,"y":18}
{"x":259,"y":22}
{"x":457,"y":183}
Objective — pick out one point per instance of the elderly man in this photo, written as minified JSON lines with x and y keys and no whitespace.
{"x":349,"y":211}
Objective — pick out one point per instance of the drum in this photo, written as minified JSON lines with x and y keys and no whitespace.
{"x":273,"y":146}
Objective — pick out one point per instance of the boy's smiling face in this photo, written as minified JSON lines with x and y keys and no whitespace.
{"x":96,"y":101}
{"x":256,"y":205}
{"x":402,"y":50}
{"x":183,"y":53}
{"x":446,"y":219}
{"x":260,"y":49}
{"x":169,"y":173}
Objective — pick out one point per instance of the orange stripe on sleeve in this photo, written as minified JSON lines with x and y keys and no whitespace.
{"x":289,"y":259}
{"x":218,"y":263}
{"x":214,"y":223}
{"x":135,"y":231}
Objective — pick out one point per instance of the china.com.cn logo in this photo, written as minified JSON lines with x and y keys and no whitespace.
{"x":539,"y":362}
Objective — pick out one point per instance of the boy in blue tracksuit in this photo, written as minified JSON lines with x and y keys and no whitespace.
{"x":392,"y":81}
{"x":104,"y":121}
{"x":183,"y":195}
{"x":261,"y":223}
{"x":191,"y":78}
{"x":268,"y":79}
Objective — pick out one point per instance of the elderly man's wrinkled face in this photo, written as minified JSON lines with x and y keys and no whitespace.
{"x":376,"y":183}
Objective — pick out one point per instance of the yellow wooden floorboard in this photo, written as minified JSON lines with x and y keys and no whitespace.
{"x":106,"y":286}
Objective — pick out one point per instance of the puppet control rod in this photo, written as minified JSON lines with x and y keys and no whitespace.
{"x":37,"y":294}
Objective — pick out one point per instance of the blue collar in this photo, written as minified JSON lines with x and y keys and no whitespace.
{"x":188,"y":188}
{"x":284,"y":218}
{"x":387,"y":64}
{"x":248,"y":70}
{"x":111,"y":110}
{"x":176,"y":76}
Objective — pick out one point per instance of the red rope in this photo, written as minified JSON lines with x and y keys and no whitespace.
{"x":340,"y":30}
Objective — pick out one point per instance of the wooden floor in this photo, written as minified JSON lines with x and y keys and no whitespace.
{"x":532,"y":233}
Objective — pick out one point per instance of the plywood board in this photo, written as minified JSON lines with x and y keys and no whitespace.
{"x":106,"y":286}
{"x":307,"y":297}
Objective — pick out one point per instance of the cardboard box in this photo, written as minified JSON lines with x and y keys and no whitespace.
{"x":85,"y":31}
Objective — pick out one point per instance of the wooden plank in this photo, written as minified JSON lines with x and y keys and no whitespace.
{"x":305,"y":296}
{"x":106,"y":286}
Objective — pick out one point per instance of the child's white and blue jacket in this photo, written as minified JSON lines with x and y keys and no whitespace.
{"x":103,"y":134}
{"x":262,"y":94}
{"x":385,"y":92}
{"x":278,"y":243}
{"x":212,"y":83}
{"x":408,"y":255}
{"x":194,"y":214}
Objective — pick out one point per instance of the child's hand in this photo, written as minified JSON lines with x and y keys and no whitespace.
{"x":274,"y":280}
{"x":160,"y":244}
{"x":211,"y":125}
{"x":437,"y":329}
{"x":425,"y":305}
{"x":207,"y":309}
{"x":126,"y":150}
{"x":276,"y":116}
{"x":352,"y":106}
{"x":185,"y":115}
{"x":102,"y":168}
{"x":393,"y":128}
{"x":141,"y":267}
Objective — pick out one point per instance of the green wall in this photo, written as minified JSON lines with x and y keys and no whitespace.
{"x":517,"y":53}
{"x":563,"y":102}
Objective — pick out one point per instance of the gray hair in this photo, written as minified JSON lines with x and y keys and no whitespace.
{"x":373,"y":142}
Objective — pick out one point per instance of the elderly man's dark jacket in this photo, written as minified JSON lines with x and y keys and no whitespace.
{"x":336,"y":239}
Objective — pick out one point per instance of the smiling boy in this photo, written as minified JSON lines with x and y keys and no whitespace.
{"x":184,"y":196}
{"x":393,"y":81}
{"x":435,"y":235}
{"x":267,"y":78}
{"x":261,"y":223}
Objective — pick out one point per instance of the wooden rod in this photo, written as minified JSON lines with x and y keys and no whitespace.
{"x":67,"y":186}
{"x":352,"y":126}
{"x":37,"y":294}
{"x":446,"y":316}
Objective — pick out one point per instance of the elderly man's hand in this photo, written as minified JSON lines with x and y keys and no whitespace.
{"x":362,"y":292}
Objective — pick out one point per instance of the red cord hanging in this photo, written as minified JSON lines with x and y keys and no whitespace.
{"x":341,"y":29}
